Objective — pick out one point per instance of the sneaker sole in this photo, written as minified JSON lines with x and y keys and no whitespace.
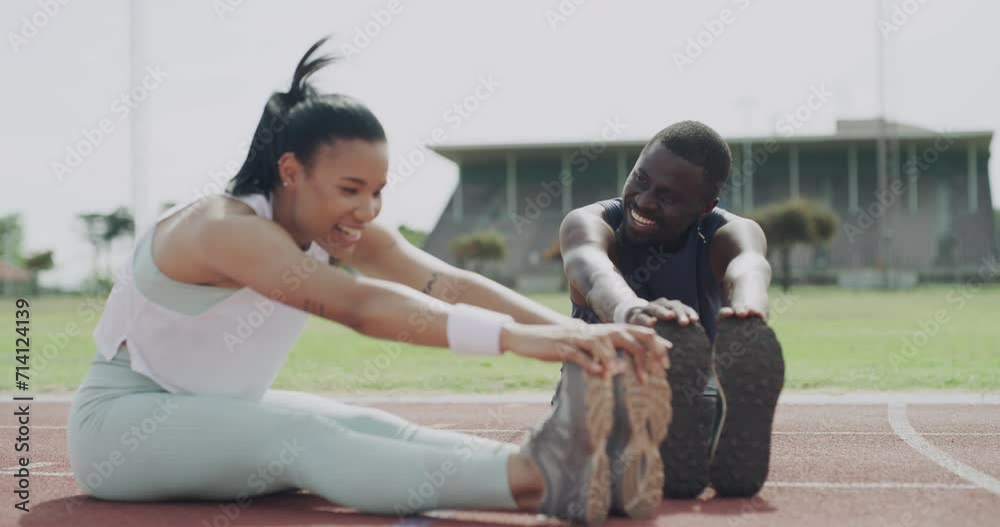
{"x":596,"y":491}
{"x":751,"y":373}
{"x":687,"y":449}
{"x":647,"y":406}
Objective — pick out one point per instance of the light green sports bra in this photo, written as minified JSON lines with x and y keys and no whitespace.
{"x":181,"y":297}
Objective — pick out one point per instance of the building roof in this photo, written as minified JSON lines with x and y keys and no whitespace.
{"x":13,"y":273}
{"x":847,"y":130}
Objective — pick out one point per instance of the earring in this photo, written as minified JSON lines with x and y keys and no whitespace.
{"x":284,"y":183}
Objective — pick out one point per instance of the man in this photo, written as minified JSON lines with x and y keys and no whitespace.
{"x":664,"y":254}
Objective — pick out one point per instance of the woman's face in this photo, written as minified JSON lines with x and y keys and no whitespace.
{"x":338,"y":193}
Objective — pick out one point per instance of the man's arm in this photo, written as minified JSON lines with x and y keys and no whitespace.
{"x":739,"y":263}
{"x":586,"y":240}
{"x":384,"y":253}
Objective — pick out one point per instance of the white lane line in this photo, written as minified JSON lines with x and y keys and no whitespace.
{"x":33,"y":473}
{"x":29,"y":466}
{"x":872,"y":485}
{"x":901,"y":425}
{"x":35,"y":427}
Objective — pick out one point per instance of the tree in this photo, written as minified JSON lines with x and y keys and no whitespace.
{"x":102,"y":230}
{"x":795,"y":222}
{"x":11,"y":238}
{"x":479,"y":247}
{"x":93,"y":226}
{"x":36,"y":264}
{"x":413,"y":236}
{"x":118,"y":224}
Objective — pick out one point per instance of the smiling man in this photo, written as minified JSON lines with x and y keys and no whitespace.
{"x":664,"y":254}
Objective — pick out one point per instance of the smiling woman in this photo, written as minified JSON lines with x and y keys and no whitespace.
{"x":329,"y":154}
{"x":218,"y":293}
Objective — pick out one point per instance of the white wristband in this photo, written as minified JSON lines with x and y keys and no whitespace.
{"x":473,"y":330}
{"x":622,"y":309}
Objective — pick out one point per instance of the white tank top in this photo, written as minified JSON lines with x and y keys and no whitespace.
{"x":234,"y":348}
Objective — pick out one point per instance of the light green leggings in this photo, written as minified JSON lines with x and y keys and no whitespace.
{"x":131,"y":440}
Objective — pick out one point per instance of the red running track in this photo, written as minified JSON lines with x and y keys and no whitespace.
{"x":870,"y":464}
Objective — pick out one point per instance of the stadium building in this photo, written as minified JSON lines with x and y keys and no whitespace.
{"x":931,"y":218}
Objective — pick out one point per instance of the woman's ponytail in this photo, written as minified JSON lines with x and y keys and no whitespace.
{"x":298,"y":121}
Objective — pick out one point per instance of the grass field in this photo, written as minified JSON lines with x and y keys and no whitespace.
{"x":935,"y":337}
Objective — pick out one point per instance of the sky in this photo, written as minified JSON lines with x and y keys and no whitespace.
{"x":199,"y":72}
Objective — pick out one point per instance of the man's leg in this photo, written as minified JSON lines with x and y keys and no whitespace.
{"x":751,"y":371}
{"x":687,"y":448}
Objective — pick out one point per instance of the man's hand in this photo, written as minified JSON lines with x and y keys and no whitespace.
{"x":662,"y":309}
{"x":744,"y":310}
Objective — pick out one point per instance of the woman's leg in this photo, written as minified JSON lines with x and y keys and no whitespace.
{"x":149,"y":445}
{"x":381,"y":423}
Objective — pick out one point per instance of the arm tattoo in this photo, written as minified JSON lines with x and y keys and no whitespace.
{"x":430,"y":283}
{"x":315,"y":307}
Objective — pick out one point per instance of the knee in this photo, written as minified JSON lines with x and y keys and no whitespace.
{"x":99,"y":476}
{"x":378,"y":422}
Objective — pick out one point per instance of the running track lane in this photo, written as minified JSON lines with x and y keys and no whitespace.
{"x":867,"y":464}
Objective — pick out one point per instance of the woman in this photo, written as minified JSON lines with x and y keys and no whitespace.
{"x":177,"y":403}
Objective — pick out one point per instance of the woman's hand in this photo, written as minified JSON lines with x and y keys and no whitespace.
{"x":591,"y":346}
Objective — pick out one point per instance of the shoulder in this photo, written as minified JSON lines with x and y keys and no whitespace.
{"x":587,"y":214}
{"x":613,"y":210}
{"x":734,"y":231}
{"x":585,"y":226}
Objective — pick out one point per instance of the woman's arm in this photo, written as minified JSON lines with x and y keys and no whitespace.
{"x":259,"y":254}
{"x":384,"y":253}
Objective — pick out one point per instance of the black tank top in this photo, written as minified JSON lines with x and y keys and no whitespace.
{"x":653,"y":273}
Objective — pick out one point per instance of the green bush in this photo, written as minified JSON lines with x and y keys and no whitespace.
{"x":789,"y":223}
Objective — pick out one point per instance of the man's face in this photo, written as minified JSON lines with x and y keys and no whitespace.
{"x":664,"y":195}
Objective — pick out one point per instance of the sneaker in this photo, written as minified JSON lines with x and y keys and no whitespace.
{"x":642,"y":417}
{"x":751,"y":373}
{"x":687,"y":448}
{"x":569,"y":448}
